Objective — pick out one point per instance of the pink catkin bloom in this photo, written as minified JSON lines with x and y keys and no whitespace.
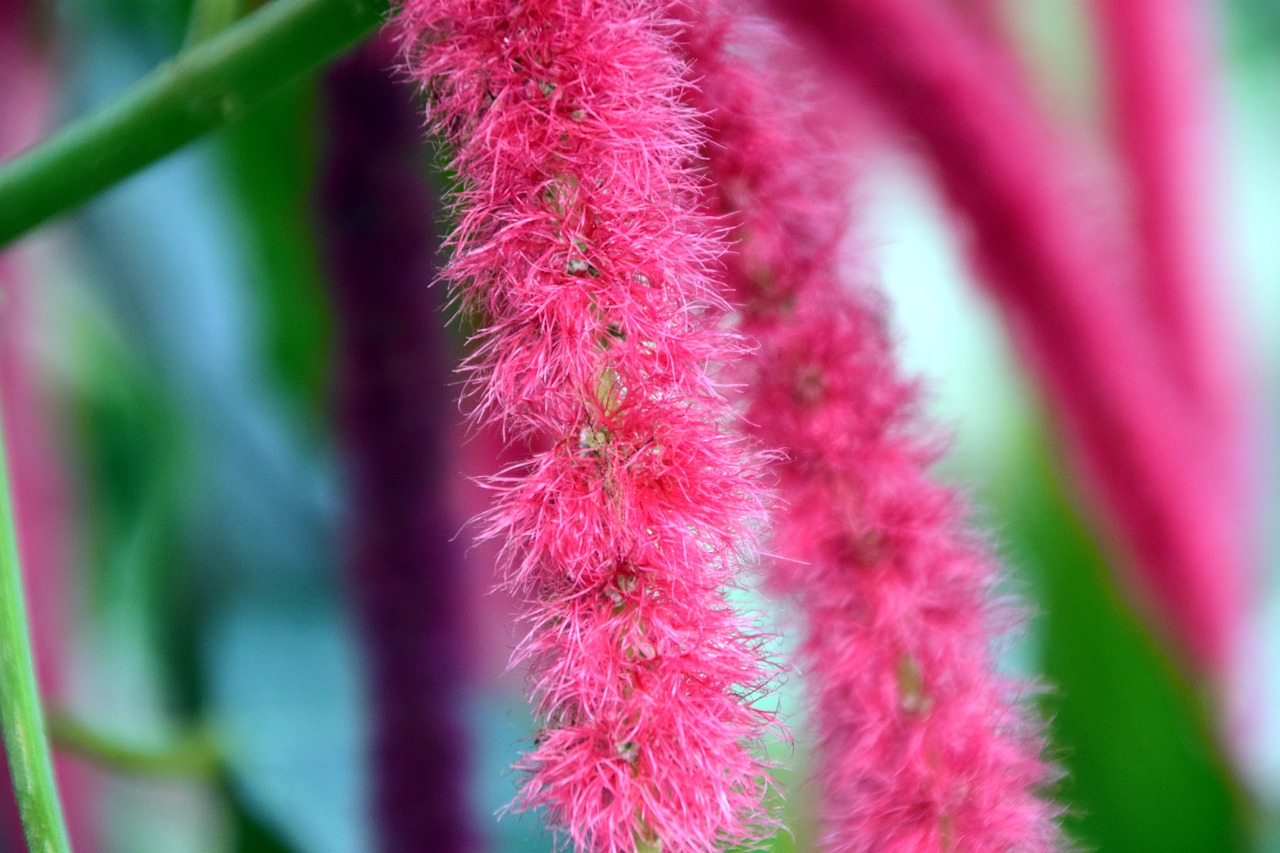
{"x":1072,"y":308}
{"x":923,"y":744}
{"x":582,"y":246}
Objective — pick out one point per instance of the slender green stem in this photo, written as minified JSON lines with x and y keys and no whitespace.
{"x":25,"y":741}
{"x":215,"y":82}
{"x":192,"y":754}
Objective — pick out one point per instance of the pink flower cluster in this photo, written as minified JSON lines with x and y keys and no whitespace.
{"x":923,"y":744}
{"x":582,"y":245}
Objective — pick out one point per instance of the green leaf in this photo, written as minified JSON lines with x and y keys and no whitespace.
{"x":272,"y":163}
{"x":1143,"y":769}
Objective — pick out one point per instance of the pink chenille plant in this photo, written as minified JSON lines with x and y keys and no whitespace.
{"x":922,"y":744}
{"x":581,"y":245}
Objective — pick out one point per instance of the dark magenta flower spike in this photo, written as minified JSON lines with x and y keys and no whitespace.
{"x":1071,"y":304}
{"x":377,"y":215}
{"x":922,"y":744}
{"x":583,"y":246}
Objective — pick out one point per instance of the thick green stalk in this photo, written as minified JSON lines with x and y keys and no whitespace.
{"x":211,"y":84}
{"x":22,"y":720}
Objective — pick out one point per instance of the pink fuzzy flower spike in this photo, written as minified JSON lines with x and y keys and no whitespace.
{"x":924,"y":745}
{"x":582,"y":246}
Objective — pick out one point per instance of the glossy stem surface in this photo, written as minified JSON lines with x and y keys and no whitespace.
{"x":214,"y":83}
{"x":25,"y":740}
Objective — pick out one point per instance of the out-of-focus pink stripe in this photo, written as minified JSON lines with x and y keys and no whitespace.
{"x":985,"y":14}
{"x":1071,"y":307}
{"x":37,"y":477}
{"x":1160,"y":65}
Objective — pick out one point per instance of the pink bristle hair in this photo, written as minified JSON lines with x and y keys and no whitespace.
{"x":582,"y":247}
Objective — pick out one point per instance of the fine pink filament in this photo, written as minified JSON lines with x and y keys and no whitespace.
{"x":582,"y":246}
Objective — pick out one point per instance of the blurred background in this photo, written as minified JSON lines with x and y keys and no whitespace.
{"x":182,"y":331}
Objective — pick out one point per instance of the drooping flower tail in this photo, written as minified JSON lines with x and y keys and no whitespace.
{"x":377,"y":214}
{"x":582,"y":247}
{"x":1158,"y":67}
{"x":1069,"y":301}
{"x":1161,"y":80}
{"x":923,"y":744}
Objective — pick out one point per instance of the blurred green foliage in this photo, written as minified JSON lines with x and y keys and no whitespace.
{"x":271,"y":161}
{"x":1143,"y":769}
{"x":134,"y":445}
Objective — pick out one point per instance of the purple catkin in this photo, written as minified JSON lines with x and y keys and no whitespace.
{"x":376,"y":215}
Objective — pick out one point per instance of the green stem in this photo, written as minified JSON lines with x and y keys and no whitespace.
{"x":211,"y":84}
{"x":25,"y":741}
{"x":208,"y":18}
{"x":192,"y":754}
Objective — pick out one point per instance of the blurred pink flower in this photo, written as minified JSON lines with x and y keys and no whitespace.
{"x":582,"y":248}
{"x":923,"y":744}
{"x":1162,"y":81}
{"x":1071,"y":304}
{"x":1160,"y":72}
